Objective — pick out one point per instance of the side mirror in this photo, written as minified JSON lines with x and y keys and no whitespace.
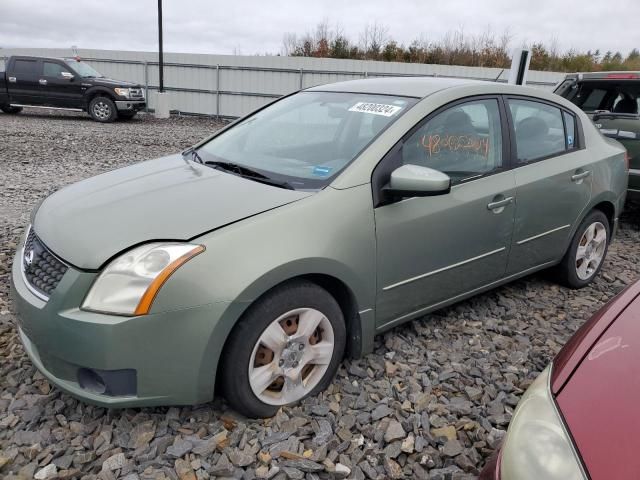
{"x":417,"y":181}
{"x":67,"y":75}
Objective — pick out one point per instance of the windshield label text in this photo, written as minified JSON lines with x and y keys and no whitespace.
{"x":375,"y":109}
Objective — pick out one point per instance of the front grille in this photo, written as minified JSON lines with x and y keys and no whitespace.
{"x":42,"y":270}
{"x":136,"y":93}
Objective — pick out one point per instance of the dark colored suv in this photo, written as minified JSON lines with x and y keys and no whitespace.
{"x":612,"y":100}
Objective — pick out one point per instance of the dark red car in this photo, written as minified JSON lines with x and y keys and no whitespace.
{"x":581,"y":417}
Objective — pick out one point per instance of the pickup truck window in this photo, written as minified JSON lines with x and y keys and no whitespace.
{"x":53,"y":69}
{"x":83,"y":69}
{"x":29,"y":67}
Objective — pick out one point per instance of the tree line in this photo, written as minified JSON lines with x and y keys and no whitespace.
{"x":454,"y":48}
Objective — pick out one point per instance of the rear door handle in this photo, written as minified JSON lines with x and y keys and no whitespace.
{"x":42,"y":81}
{"x":12,"y":79}
{"x":578,"y":177}
{"x":498,"y":205}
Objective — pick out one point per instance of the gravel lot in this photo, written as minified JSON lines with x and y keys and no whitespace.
{"x":433,"y":401}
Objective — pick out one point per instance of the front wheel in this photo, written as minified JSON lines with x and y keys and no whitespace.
{"x":10,"y":109}
{"x":587,"y":251}
{"x":286,"y":347}
{"x":102,"y":109}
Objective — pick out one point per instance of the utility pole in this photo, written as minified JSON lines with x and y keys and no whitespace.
{"x":162,"y":108}
{"x":160,"y":53}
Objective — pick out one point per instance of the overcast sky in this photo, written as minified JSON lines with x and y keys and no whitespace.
{"x":250,"y":27}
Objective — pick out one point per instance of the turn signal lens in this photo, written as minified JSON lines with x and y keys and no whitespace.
{"x":130,"y":283}
{"x":627,"y":160}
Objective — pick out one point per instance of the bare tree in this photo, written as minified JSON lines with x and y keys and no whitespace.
{"x":373,"y":38}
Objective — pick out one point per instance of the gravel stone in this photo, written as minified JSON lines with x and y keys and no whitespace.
{"x":394,"y":431}
{"x":433,"y":400}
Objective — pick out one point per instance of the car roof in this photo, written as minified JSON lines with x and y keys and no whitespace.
{"x":418,"y":87}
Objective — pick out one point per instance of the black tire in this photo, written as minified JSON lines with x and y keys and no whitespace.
{"x":234,"y":371}
{"x":103,"y":109}
{"x":11,"y":110}
{"x":126,"y":115}
{"x":566,"y":272}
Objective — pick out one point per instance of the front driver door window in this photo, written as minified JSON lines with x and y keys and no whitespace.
{"x":432,"y":249}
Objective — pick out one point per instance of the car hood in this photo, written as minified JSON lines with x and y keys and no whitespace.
{"x":600,"y":398}
{"x":110,"y":82}
{"x":169,"y":198}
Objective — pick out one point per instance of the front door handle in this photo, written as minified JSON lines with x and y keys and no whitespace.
{"x":497,"y":206}
{"x":578,"y":177}
{"x":12,"y":79}
{"x":42,"y":81}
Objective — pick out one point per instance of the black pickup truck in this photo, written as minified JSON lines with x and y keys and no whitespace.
{"x":67,"y":83}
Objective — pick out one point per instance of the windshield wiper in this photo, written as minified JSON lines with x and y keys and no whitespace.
{"x":247,"y":173}
{"x":195,"y":156}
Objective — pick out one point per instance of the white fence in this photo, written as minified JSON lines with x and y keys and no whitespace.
{"x":233,"y":85}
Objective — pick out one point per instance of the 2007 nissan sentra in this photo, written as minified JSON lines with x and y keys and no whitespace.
{"x":256,"y":260}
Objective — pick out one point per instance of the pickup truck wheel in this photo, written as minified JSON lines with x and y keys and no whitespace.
{"x":102,"y":109}
{"x":287,"y":346}
{"x":10,"y":110}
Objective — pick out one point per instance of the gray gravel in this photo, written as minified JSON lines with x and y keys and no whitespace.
{"x":433,"y":401}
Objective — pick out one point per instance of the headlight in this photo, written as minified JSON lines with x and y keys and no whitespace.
{"x":128,"y":285}
{"x":537,"y":444}
{"x":123,"y":92}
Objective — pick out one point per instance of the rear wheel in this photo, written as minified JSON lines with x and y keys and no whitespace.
{"x":103,"y":109}
{"x":10,"y":109}
{"x":286,"y":347}
{"x":587,"y":251}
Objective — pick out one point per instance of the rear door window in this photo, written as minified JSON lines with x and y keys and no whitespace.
{"x":539,"y":129}
{"x":26,"y":67}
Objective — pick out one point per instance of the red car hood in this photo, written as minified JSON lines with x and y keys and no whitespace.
{"x":596,"y":380}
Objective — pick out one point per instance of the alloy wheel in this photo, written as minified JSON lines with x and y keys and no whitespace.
{"x":101,"y":110}
{"x":291,"y":356}
{"x":591,"y":249}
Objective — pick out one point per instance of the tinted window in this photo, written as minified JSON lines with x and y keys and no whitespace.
{"x":28,"y":67}
{"x":463,"y":141}
{"x":570,"y":127}
{"x":539,"y":129}
{"x":591,"y":99}
{"x":53,"y":69}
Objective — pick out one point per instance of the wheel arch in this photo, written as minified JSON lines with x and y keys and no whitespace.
{"x":336,"y":286}
{"x":609,"y":209}
{"x":98,"y":91}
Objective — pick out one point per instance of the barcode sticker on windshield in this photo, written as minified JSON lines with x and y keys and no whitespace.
{"x":375,"y":109}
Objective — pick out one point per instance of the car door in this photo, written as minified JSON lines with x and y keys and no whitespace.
{"x":59,"y":86}
{"x":433,"y":249}
{"x":22,"y":81}
{"x":553,"y":176}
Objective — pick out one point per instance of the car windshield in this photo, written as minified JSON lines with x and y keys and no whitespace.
{"x":308,"y":138}
{"x":83,"y":69}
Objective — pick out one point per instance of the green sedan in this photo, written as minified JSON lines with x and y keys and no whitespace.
{"x":255,"y":261}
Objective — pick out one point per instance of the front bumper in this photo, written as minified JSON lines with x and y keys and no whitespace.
{"x":173,"y":354}
{"x":130,"y":105}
